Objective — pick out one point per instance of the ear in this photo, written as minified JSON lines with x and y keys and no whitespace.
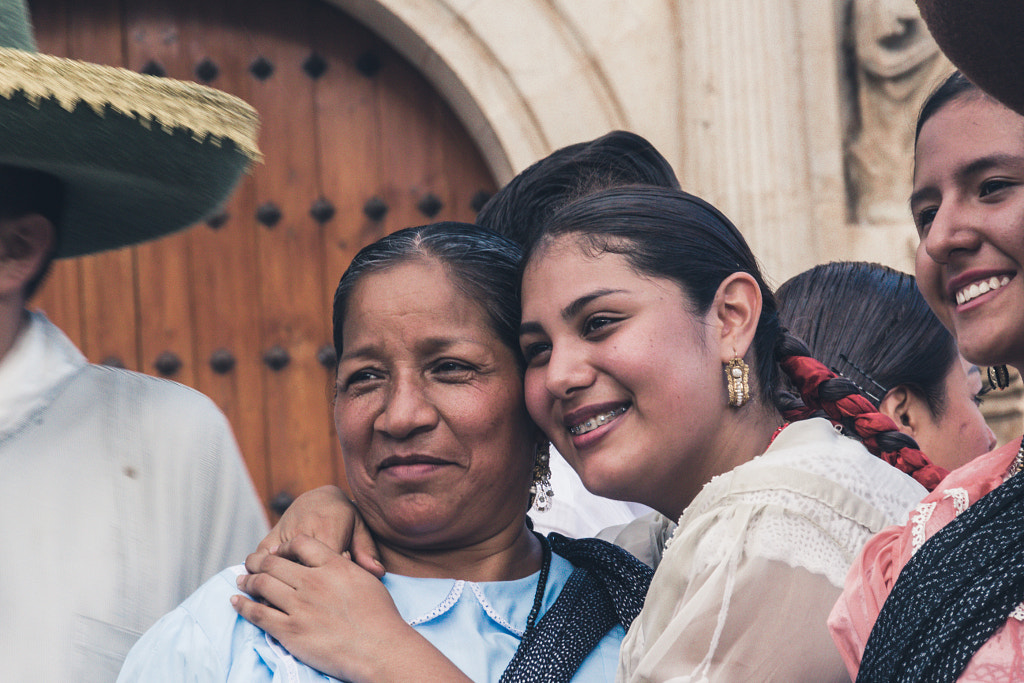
{"x":907,"y":409}
{"x":737,"y":306}
{"x":25,"y":243}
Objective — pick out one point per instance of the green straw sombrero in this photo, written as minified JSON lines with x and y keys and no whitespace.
{"x":140,"y":156}
{"x":985,"y":40}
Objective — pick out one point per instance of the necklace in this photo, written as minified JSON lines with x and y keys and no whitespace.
{"x":542,"y":583}
{"x":1018,"y":461}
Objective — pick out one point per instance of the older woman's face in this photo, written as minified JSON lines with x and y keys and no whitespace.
{"x":437,"y":444}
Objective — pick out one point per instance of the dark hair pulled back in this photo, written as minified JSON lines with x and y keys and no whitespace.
{"x":520,"y":209}
{"x":870,"y":324}
{"x":482,"y":264}
{"x":670,"y":234}
{"x":953,"y":88}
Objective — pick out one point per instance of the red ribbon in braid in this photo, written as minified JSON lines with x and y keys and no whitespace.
{"x":808,"y":374}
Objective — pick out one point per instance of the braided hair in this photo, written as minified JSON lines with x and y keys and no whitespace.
{"x":667,"y":233}
{"x":842,"y":402}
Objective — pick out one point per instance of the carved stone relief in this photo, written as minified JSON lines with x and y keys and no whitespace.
{"x":896,"y":64}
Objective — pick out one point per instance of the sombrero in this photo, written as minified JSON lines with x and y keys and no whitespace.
{"x":983,"y":38}
{"x":140,"y":156}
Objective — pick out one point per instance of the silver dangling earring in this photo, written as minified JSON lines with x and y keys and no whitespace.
{"x":999,"y":376}
{"x":737,"y":374}
{"x":541,"y":490}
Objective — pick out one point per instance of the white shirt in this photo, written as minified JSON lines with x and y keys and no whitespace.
{"x":759,"y":557}
{"x":576,"y":512}
{"x":41,"y":357}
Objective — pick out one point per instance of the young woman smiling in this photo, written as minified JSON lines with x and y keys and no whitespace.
{"x":951,"y":580}
{"x":635,"y":300}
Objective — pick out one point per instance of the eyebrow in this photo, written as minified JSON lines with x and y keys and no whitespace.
{"x":964,"y":173}
{"x":570,"y":311}
{"x":428,"y":346}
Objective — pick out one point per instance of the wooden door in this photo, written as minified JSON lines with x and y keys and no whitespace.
{"x":357,"y":144}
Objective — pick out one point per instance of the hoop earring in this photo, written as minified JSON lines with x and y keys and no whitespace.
{"x":737,"y":374}
{"x":999,"y":376}
{"x":541,"y":492}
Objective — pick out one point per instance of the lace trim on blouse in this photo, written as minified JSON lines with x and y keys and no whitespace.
{"x":921,"y":516}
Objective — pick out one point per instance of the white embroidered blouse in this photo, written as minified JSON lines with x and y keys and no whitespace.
{"x":747,"y":580}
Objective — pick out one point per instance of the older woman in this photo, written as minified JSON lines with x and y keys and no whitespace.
{"x":441,"y":456}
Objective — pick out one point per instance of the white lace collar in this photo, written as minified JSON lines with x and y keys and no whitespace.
{"x":505,"y":603}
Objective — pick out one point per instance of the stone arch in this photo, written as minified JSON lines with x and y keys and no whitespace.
{"x":481,"y":57}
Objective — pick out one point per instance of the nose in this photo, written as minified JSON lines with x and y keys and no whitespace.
{"x":568,"y":371}
{"x":952,"y":231}
{"x":408,"y":410}
{"x":992,"y":441}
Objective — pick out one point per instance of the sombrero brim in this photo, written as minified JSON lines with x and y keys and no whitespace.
{"x":983,"y":39}
{"x":140,"y":156}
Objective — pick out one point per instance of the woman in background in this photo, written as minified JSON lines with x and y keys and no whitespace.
{"x":871,"y":324}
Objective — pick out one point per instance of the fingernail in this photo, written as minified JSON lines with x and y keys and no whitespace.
{"x":273,"y":549}
{"x":346,"y":554}
{"x":240,"y":580}
{"x":235,"y":600}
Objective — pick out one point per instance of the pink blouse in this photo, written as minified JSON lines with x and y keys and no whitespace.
{"x":873,"y":574}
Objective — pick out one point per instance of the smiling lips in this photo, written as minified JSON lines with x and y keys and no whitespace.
{"x":410,"y":460}
{"x":976,"y":289}
{"x":593,"y":423}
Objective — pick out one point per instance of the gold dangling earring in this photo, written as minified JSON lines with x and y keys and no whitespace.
{"x":999,"y":376}
{"x":541,"y":491}
{"x":737,"y":374}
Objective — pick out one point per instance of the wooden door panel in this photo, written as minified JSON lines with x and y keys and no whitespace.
{"x":222,"y":294}
{"x":225,"y":263}
{"x":109,"y":296}
{"x":165,"y":286}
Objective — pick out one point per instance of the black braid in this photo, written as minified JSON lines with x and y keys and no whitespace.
{"x":787,"y":396}
{"x":832,"y":391}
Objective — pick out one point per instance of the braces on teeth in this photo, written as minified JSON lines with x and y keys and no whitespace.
{"x":979,"y":288}
{"x":596,"y":421}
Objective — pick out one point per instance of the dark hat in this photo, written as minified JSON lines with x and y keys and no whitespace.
{"x":985,"y":40}
{"x":139,"y":156}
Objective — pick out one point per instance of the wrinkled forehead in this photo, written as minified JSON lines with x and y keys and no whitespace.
{"x":409,"y":302}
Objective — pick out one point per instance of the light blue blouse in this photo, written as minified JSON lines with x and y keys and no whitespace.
{"x":476,"y":625}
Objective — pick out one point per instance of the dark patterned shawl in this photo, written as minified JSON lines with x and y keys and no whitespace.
{"x":953,"y":594}
{"x":607,"y":587}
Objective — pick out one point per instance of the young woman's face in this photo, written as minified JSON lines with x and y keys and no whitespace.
{"x":968,"y":204}
{"x":437,"y":444}
{"x":959,"y":433}
{"x":624,"y":380}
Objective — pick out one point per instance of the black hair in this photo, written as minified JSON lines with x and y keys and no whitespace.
{"x":482,"y":264}
{"x":670,"y":234}
{"x":520,"y":209}
{"x":953,"y":88}
{"x":25,"y":191}
{"x":870,"y":324}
